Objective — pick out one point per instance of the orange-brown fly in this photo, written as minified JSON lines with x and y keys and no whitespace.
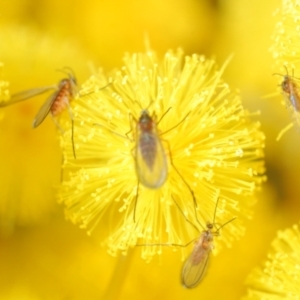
{"x":57,"y":102}
{"x":194,"y":267}
{"x":290,"y":87}
{"x":291,"y":92}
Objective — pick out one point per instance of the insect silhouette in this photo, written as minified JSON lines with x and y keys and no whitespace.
{"x":195,"y":266}
{"x":56,"y":103}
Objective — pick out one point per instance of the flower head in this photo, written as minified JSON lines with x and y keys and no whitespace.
{"x":213,"y":151}
{"x":279,"y":278}
{"x":285,"y":50}
{"x":286,"y":43}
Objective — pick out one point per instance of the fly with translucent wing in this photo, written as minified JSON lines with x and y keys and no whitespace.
{"x":151,"y":162}
{"x":291,"y":92}
{"x":150,"y":156}
{"x":57,"y":102}
{"x":65,"y":91}
{"x":194,"y":268}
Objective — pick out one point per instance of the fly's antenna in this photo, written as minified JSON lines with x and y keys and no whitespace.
{"x":215,"y":212}
{"x":68,"y":71}
{"x":226,"y":223}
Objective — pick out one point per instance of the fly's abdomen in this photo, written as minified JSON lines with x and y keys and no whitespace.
{"x":62,"y":100}
{"x":151,"y":163}
{"x":148,"y":147}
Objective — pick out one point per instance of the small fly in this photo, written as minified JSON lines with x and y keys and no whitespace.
{"x":57,"y":102}
{"x":194,"y":268}
{"x":291,"y":90}
{"x":151,"y":162}
{"x":291,"y":93}
{"x":150,"y":156}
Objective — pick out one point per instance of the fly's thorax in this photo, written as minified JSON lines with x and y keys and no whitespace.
{"x":69,"y":84}
{"x":63,"y":83}
{"x":290,"y":87}
{"x":202,"y":247}
{"x":208,"y":237}
{"x":145,"y":123}
{"x":287,"y":84}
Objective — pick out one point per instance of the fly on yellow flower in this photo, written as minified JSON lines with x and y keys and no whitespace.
{"x":216,"y":151}
{"x":279,"y":278}
{"x":58,"y":101}
{"x":65,"y":90}
{"x":194,"y":268}
{"x":285,"y":48}
{"x":149,"y":154}
{"x":150,"y":157}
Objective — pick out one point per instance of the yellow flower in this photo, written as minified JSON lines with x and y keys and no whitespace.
{"x":286,"y":53}
{"x":286,"y":43}
{"x":205,"y":132}
{"x":279,"y":278}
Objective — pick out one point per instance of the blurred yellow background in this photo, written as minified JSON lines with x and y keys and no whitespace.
{"x":44,"y":257}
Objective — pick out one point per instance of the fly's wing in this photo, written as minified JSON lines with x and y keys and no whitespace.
{"x":44,"y":110}
{"x":292,"y":103}
{"x":151,"y":162}
{"x":74,"y":88}
{"x":192,"y":273}
{"x":18,"y":97}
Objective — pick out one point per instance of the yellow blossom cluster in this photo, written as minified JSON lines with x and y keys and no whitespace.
{"x":279,"y":277}
{"x":213,"y":151}
{"x":161,"y":157}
